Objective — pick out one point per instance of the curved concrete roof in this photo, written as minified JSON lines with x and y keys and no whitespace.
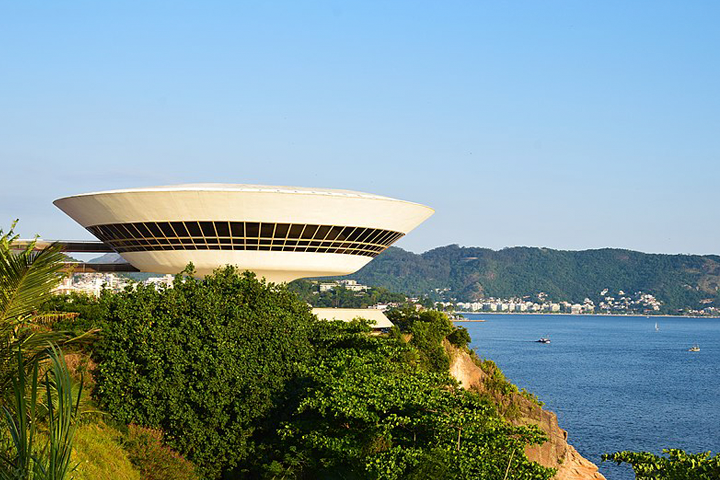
{"x":241,"y":187}
{"x":258,"y":203}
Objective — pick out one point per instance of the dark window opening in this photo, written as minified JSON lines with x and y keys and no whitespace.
{"x":152,"y":226}
{"x":238,"y":229}
{"x":166,"y":229}
{"x":309,"y":231}
{"x":208,"y":229}
{"x":363,"y":236}
{"x":295,"y":231}
{"x":194,"y":229}
{"x":144,"y":232}
{"x":354,"y":234}
{"x":252,"y":229}
{"x":266,"y":230}
{"x":180,"y":229}
{"x":132,"y":230}
{"x":281,"y":230}
{"x":322,"y":232}
{"x":222,"y":228}
{"x":334,"y":233}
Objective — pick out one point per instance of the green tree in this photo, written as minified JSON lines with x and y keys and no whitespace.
{"x":459,"y":337}
{"x":341,"y":297}
{"x":370,"y":410}
{"x":207,"y":361}
{"x":427,"y":329}
{"x":90,"y":309}
{"x":675,"y":465}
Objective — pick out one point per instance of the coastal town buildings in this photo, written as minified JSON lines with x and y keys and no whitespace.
{"x":94,"y":283}
{"x":639,"y":302}
{"x":351,"y":285}
{"x":90,"y":283}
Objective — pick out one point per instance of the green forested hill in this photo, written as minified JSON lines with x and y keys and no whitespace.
{"x":680,"y":281}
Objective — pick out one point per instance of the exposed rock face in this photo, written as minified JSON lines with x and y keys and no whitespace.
{"x":556,"y":452}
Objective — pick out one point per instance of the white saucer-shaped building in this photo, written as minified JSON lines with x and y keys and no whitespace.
{"x":280,"y":233}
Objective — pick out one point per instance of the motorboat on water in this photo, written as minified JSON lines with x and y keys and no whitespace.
{"x":694,"y":348}
{"x":543,"y":340}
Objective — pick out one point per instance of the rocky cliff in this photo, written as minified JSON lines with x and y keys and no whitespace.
{"x":556,"y":452}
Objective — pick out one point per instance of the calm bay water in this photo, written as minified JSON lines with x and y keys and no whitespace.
{"x":614,"y":382}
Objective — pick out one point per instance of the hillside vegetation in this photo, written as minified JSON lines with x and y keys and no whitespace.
{"x":239,"y":378}
{"x":470,"y":273}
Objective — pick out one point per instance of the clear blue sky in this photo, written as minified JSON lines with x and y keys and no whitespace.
{"x":569,"y":125}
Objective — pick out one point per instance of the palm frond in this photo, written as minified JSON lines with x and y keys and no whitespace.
{"x":26,"y":280}
{"x":6,"y":239}
{"x":27,"y":277}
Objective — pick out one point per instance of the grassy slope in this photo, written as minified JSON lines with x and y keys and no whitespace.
{"x":98,"y":454}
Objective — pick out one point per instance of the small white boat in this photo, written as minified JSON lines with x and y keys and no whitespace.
{"x":543,"y":340}
{"x":694,"y":348}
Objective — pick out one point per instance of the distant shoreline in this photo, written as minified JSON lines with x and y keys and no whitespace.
{"x":581,"y":315}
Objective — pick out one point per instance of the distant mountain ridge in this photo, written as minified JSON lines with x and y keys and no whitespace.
{"x":108,"y":258}
{"x":471,"y":273}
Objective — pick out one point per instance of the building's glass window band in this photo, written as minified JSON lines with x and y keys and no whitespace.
{"x":278,"y":237}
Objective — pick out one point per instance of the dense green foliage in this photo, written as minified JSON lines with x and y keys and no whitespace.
{"x":341,"y":297}
{"x":676,"y":465}
{"x":681,"y":281}
{"x":459,"y":337}
{"x":427,"y":330}
{"x":370,"y":409}
{"x":206,"y":361}
{"x":91,"y":311}
{"x":247,"y":384}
